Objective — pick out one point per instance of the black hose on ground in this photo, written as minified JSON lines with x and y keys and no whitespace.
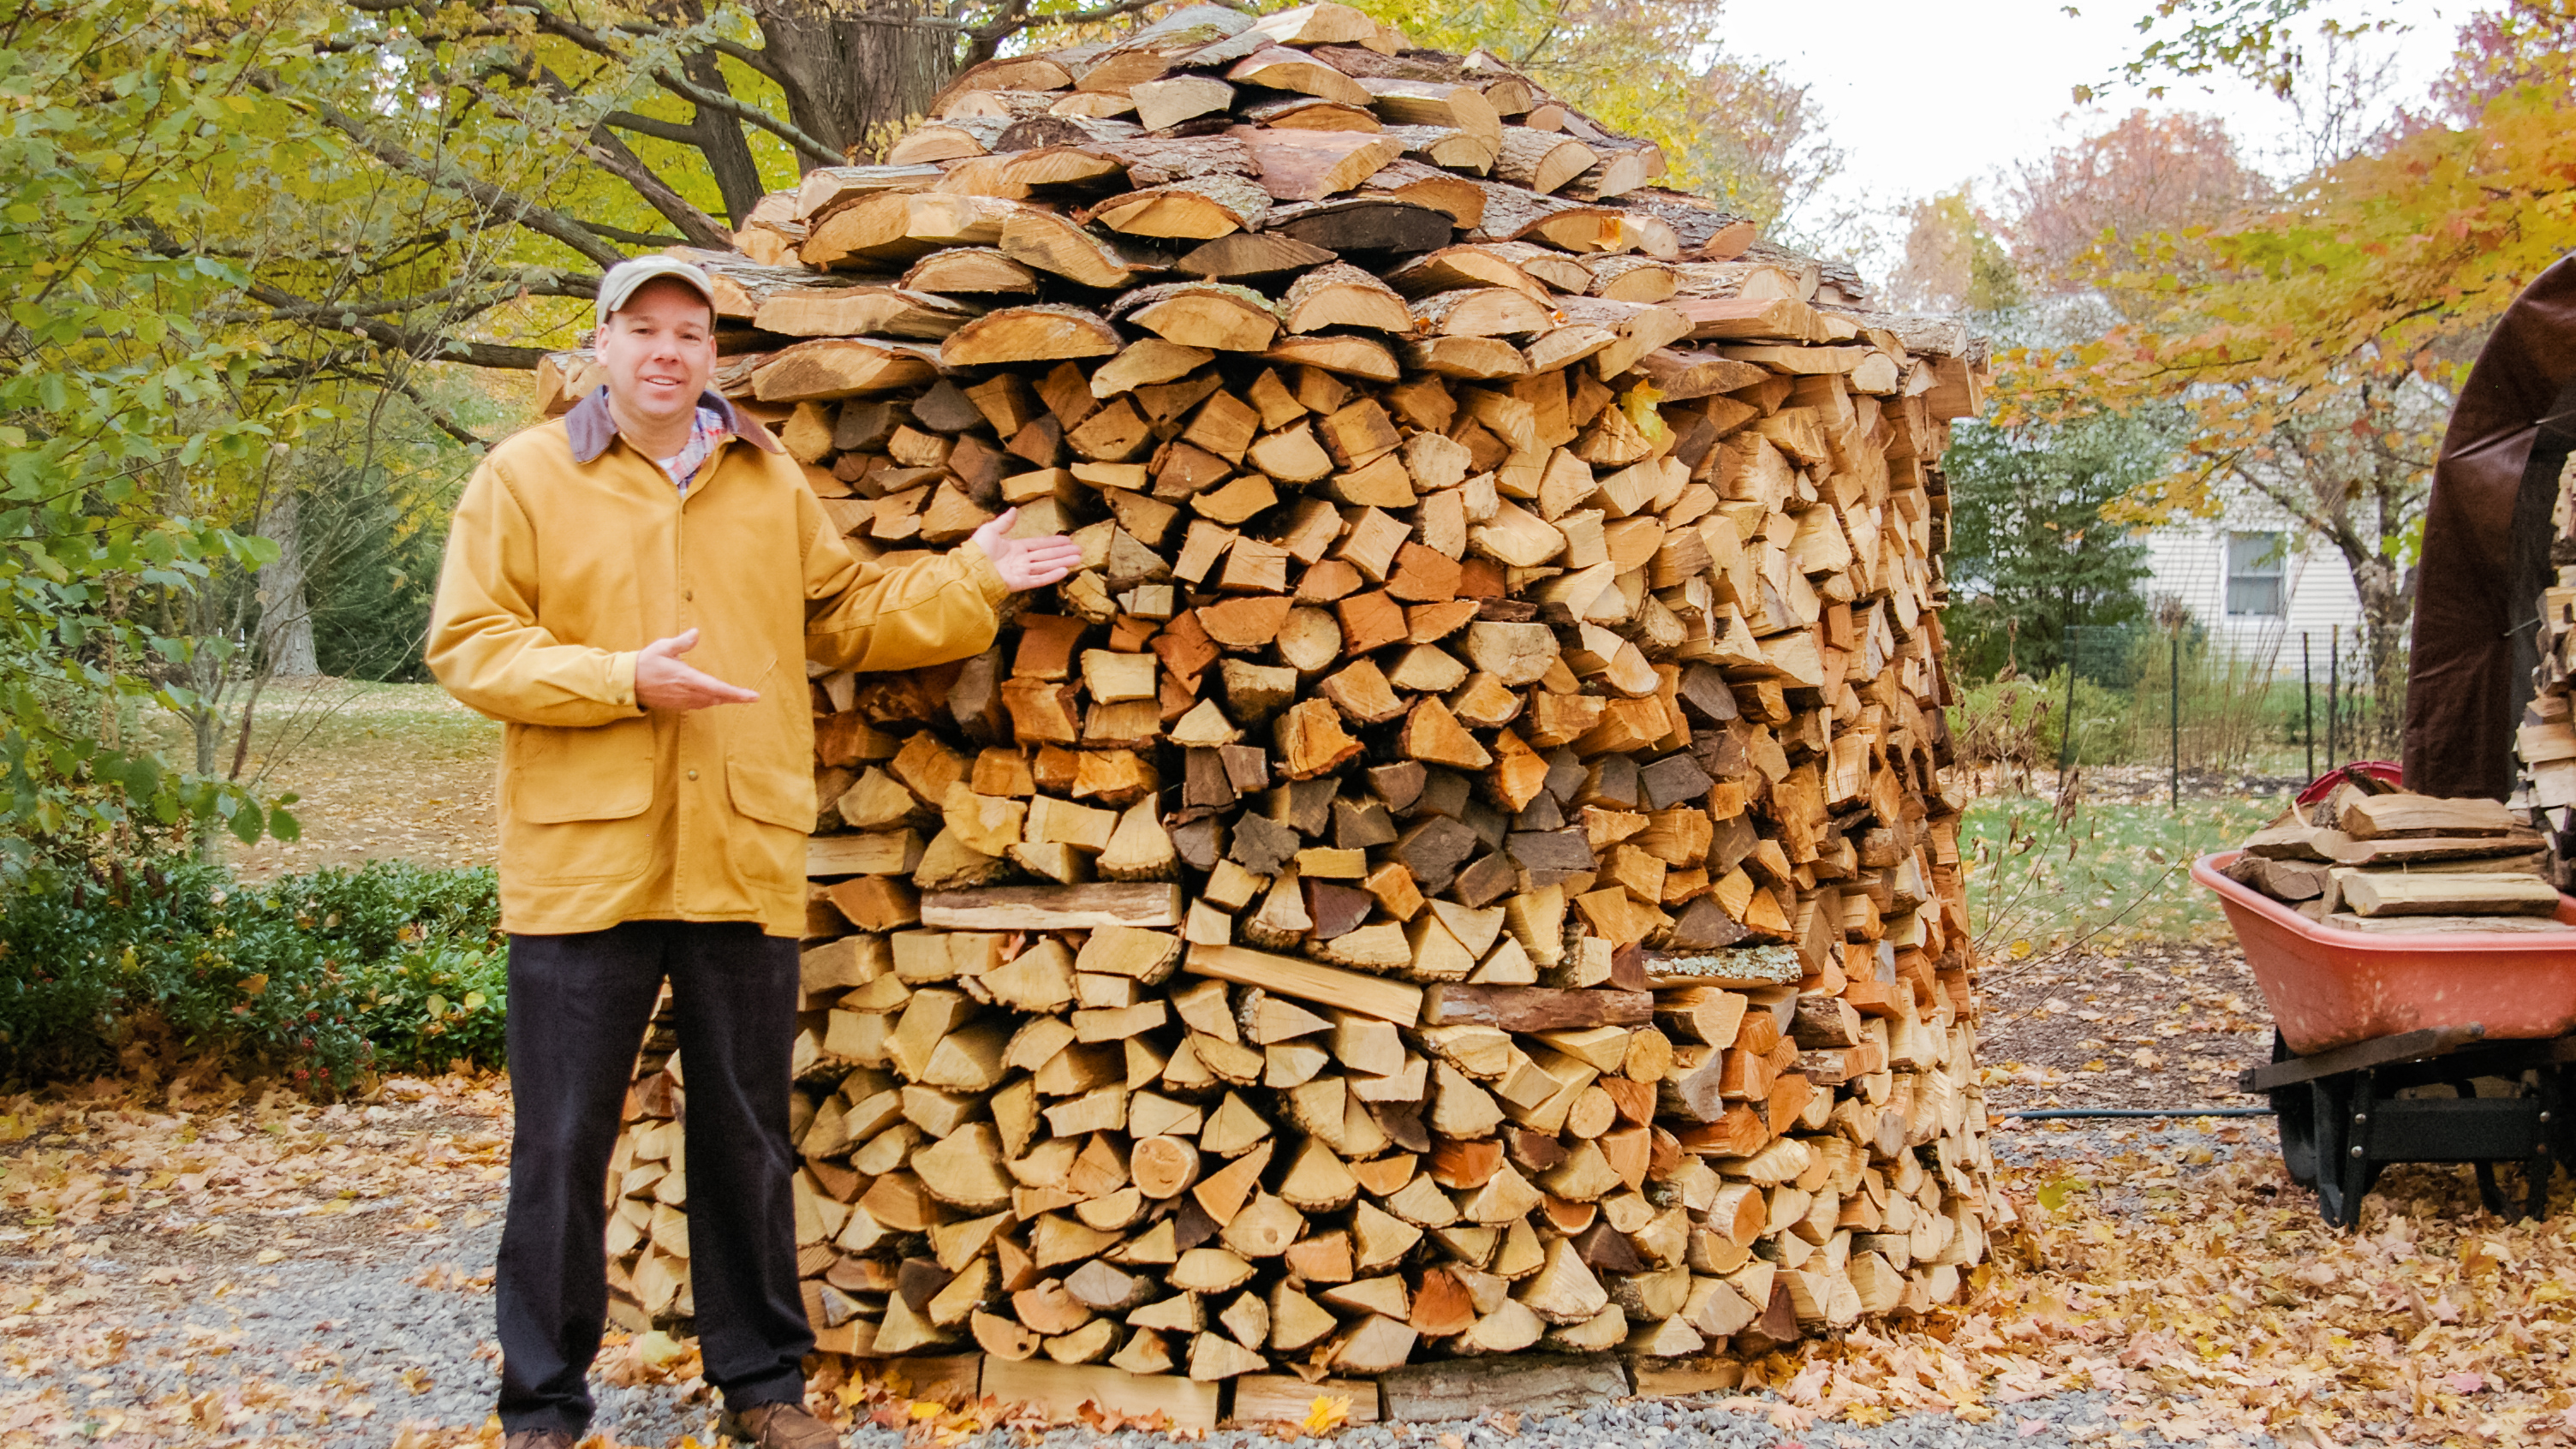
{"x":2057,"y":1113}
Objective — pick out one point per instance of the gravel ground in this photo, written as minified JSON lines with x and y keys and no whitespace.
{"x":408,"y":1331}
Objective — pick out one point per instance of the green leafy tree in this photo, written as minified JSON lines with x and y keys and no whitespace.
{"x":2031,"y":551}
{"x":110,"y":388}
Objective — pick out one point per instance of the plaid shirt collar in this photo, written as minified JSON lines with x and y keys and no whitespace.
{"x":704,"y":434}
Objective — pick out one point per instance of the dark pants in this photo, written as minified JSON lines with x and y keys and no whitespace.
{"x":578,"y":1008}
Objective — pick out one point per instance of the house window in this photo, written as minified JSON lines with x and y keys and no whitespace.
{"x":2257,"y":583}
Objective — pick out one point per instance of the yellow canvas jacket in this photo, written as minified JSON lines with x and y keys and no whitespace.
{"x":569,"y":553}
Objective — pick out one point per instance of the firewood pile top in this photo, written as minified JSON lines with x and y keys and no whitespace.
{"x":1305,"y":187}
{"x":2371,"y":857}
{"x":1464,"y":868}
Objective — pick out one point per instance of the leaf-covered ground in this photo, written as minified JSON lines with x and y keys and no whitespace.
{"x":126,"y":1221}
{"x":2154,"y":1025}
{"x":2171,"y":1279}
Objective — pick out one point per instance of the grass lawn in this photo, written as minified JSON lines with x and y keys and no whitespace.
{"x":2114,"y":874}
{"x":380,"y":770}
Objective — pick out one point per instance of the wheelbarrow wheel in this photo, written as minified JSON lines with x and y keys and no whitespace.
{"x":2294,"y":1108}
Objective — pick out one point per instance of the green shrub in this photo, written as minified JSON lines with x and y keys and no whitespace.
{"x":322,"y":978}
{"x":2018,"y":726}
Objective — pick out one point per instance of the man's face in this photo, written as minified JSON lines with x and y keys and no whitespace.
{"x":659,"y":349}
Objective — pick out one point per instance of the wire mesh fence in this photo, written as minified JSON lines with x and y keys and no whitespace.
{"x":2197,"y":702}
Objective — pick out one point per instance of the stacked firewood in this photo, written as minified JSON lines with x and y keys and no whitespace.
{"x":1464,"y":867}
{"x":2372,"y":857}
{"x":2545,"y":739}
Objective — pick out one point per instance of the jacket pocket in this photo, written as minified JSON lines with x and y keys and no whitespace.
{"x":577,"y":802}
{"x":601,"y":773}
{"x":767,"y":846}
{"x":775,"y":796}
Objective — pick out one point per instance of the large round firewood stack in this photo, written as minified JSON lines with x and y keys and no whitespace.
{"x":1464,"y":868}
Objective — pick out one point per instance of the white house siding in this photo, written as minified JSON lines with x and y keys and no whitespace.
{"x":2189,"y":566}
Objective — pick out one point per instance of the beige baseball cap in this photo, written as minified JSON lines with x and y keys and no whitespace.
{"x":619,"y":285}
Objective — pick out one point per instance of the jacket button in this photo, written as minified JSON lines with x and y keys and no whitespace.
{"x":689,"y":595}
{"x":693,"y":774}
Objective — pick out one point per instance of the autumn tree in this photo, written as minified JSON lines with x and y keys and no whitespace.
{"x":1736,"y":131}
{"x":113,"y":384}
{"x":2080,"y":214}
{"x":1953,"y":259}
{"x":2315,"y":341}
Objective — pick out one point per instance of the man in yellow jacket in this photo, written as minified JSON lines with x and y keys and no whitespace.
{"x":654,"y":809}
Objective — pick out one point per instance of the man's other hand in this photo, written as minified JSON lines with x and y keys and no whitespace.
{"x":663,"y":682}
{"x":1026,"y":563}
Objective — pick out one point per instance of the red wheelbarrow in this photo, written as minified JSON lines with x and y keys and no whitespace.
{"x":2363,"y":1019}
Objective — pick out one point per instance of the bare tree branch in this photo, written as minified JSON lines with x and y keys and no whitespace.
{"x":427,"y":347}
{"x":758,"y":61}
{"x":642,"y":238}
{"x":681,"y":86}
{"x":543,"y":220}
{"x":1015,"y":18}
{"x":647,"y":126}
{"x":815,"y":150}
{"x":487,"y":293}
{"x":614,"y":157}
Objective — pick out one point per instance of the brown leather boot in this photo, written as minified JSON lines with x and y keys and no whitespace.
{"x":538,"y":1439}
{"x":779,"y":1426}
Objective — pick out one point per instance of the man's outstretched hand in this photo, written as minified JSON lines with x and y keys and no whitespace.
{"x":1026,"y":563}
{"x":663,"y":682}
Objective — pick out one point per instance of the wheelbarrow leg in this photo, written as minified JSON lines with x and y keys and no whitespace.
{"x":2489,"y":1193}
{"x":2294,"y":1111}
{"x":2552,"y":1090}
{"x":2346,"y":1162}
{"x":2336,"y":1190}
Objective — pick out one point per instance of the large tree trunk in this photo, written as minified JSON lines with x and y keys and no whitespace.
{"x":854,"y":72}
{"x":285,"y":611}
{"x":720,"y":138}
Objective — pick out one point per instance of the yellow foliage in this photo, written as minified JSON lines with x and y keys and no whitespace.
{"x":1736,"y":132}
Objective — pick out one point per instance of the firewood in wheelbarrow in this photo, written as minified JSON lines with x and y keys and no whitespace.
{"x":2291,"y":881}
{"x":2381,"y":893}
{"x":2381,"y":817}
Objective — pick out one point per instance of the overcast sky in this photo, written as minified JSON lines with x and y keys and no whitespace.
{"x":1922,"y":95}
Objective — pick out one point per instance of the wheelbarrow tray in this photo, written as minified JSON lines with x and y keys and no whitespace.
{"x":2329,"y":987}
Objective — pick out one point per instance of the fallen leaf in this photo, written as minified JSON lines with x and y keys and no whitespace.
{"x":1327,"y":1413}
